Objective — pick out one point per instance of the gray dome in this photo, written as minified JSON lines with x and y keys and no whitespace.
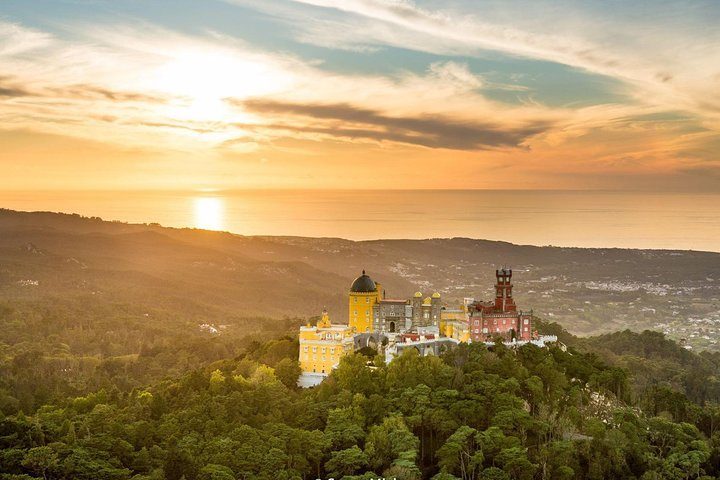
{"x":363,"y":284}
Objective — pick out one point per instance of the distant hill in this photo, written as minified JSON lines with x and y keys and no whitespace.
{"x":219,"y":275}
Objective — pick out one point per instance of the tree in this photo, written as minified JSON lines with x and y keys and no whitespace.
{"x":84,"y":464}
{"x":493,"y":473}
{"x":217,"y":382}
{"x":179,"y":464}
{"x":514,"y":462}
{"x":352,"y":374}
{"x":387,"y":442}
{"x":460,"y":454}
{"x":342,"y":428}
{"x":404,"y":467}
{"x":346,"y":462}
{"x":41,"y":460}
{"x":287,"y":371}
{"x":216,"y":472}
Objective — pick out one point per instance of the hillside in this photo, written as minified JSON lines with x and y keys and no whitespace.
{"x":107,"y":373}
{"x":471,"y":413}
{"x":220,"y":276}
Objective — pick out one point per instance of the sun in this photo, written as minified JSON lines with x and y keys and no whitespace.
{"x":203,"y":81}
{"x":209,"y":213}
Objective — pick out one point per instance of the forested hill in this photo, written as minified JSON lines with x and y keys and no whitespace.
{"x":660,"y":371}
{"x":471,"y":413}
{"x":141,"y":352}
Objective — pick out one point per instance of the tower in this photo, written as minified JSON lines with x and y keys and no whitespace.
{"x":417,"y":302}
{"x":503,"y":291}
{"x":364,"y":293}
{"x":435,"y":310}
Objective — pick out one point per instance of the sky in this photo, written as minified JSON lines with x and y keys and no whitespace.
{"x":473,"y":94}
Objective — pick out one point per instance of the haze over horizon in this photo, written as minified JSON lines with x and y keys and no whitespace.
{"x":644,"y":220}
{"x":359,"y":94}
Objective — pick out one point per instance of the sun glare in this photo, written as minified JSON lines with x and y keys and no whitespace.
{"x":207,"y":79}
{"x":209,"y":213}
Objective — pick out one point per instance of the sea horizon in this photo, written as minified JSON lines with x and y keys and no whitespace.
{"x":563,"y":218}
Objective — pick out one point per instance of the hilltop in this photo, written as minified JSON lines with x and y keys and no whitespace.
{"x":471,"y":413}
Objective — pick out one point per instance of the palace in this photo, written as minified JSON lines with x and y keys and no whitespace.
{"x":322,"y":346}
{"x":423,"y":323}
{"x":501,"y":318}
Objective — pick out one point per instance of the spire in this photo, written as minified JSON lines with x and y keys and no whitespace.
{"x":363,"y":271}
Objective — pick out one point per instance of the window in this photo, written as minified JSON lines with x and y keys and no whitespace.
{"x":527,"y":321}
{"x":323,"y":350}
{"x":355,"y":299}
{"x":367,"y":299}
{"x":314,"y":349}
{"x":477,"y":322}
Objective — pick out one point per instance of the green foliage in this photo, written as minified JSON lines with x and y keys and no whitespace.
{"x":391,"y":443}
{"x":343,"y":428}
{"x":346,"y":462}
{"x":287,"y":371}
{"x":472,"y":413}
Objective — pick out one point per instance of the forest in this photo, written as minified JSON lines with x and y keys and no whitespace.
{"x":472,"y":413}
{"x":105,"y":372}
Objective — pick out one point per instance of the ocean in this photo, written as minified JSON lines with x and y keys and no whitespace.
{"x":561,"y":218}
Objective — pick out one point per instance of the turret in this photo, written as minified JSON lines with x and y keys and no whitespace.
{"x":324,"y":321}
{"x":364,"y":293}
{"x":436,"y":308}
{"x":417,"y":302}
{"x":503,"y":291}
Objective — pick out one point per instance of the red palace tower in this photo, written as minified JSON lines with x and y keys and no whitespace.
{"x":501,"y":318}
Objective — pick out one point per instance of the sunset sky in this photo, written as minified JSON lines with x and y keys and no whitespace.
{"x":187,"y":94}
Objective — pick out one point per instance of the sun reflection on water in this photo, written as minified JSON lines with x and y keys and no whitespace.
{"x":209,"y":213}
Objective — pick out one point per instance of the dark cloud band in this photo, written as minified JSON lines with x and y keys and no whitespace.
{"x":363,"y":123}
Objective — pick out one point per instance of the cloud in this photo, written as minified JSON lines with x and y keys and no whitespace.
{"x":668,"y":56}
{"x":16,"y":39}
{"x":9,"y":87}
{"x":72,"y":84}
{"x":423,"y":130}
{"x":11,"y":91}
{"x":177,"y":99}
{"x":94,"y":92}
{"x":163,"y":92}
